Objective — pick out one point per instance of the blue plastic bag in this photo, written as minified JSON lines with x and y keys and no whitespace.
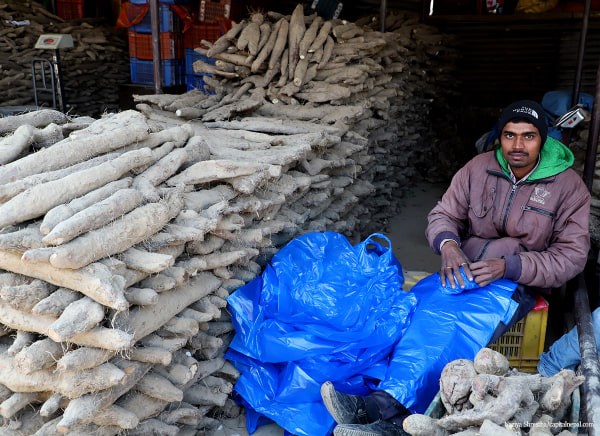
{"x":322,"y":310}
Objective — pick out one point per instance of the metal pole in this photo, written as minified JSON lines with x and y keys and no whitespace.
{"x":60,"y":93}
{"x":157,"y":61}
{"x":580,"y":54}
{"x":383,"y":13}
{"x":592,"y":148}
{"x":590,"y":365}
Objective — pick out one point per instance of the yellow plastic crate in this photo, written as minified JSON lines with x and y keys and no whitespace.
{"x":412,"y":277}
{"x":524,"y":342}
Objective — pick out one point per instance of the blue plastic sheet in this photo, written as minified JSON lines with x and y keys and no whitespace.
{"x":322,"y":310}
{"x":445,"y":327}
{"x":326,"y":310}
{"x":557,"y":103}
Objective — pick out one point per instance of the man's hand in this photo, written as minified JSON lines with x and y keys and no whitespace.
{"x":452,"y":259}
{"x":486,"y":271}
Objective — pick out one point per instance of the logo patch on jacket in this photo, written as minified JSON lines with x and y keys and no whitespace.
{"x":539,"y":195}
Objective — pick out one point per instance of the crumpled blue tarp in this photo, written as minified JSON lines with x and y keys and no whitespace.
{"x":326,"y":310}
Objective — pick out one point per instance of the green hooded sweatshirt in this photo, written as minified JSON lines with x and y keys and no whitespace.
{"x":555,"y":158}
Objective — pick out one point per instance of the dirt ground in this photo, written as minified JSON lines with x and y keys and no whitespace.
{"x":407,"y":229}
{"x":407,"y":233}
{"x":237,"y":427}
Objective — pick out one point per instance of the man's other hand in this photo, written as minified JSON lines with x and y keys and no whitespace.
{"x":486,"y":271}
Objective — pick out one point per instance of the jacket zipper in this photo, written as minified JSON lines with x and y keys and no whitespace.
{"x":482,"y":251}
{"x":511,"y":198}
{"x":506,"y":212}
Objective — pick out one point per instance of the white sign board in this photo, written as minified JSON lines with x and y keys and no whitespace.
{"x":54,"y":41}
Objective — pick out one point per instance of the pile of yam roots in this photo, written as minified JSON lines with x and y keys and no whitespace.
{"x":485,"y":397}
{"x":393,"y":89}
{"x":92,"y":70}
{"x":123,"y":236}
{"x":306,"y":59}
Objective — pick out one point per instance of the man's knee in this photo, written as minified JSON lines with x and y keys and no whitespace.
{"x":525,"y":297}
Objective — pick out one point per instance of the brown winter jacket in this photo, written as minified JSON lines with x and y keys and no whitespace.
{"x":539,"y":225}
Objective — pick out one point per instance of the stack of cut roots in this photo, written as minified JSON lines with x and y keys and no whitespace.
{"x":486,"y":397}
{"x":92,"y":70}
{"x":122,"y":238}
{"x":115,"y":275}
{"x":392,"y":89}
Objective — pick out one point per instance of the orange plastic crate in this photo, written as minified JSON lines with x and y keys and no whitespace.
{"x":70,"y":9}
{"x":211,"y":10}
{"x":140,"y":45}
{"x":203,"y":31}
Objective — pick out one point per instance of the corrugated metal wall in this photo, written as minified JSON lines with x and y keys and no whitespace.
{"x":591,"y":60}
{"x":507,"y":58}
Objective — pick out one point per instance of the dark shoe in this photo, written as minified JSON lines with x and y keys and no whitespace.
{"x":345,"y":408}
{"x":377,"y":428}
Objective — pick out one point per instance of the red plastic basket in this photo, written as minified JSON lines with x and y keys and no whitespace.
{"x":211,"y":10}
{"x":70,"y":9}
{"x":140,"y":45}
{"x":203,"y":31}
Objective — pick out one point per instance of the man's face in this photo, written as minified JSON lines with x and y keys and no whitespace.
{"x":521,"y":144}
